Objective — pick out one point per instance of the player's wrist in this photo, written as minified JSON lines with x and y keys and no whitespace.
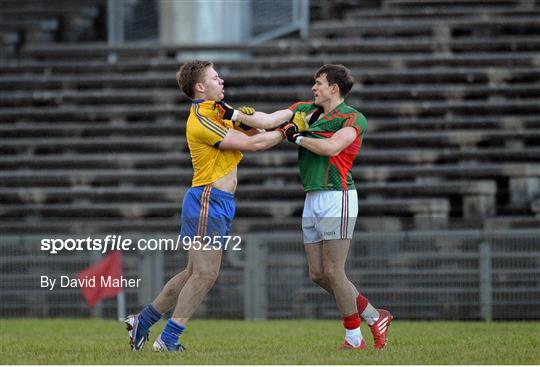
{"x":298,"y":139}
{"x":234,"y":115}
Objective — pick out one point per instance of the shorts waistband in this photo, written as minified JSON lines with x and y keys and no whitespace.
{"x":214,"y":191}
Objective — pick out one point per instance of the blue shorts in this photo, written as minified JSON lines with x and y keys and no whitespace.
{"x":207,"y":211}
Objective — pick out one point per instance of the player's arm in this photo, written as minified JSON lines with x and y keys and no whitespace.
{"x":331,"y":146}
{"x":266,"y":121}
{"x":236,"y":140}
{"x":245,"y":118}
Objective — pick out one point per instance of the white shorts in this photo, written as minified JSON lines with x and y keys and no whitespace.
{"x":329,"y":215}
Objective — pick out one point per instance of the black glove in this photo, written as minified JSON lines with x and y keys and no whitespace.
{"x":290,"y":131}
{"x":226,"y":111}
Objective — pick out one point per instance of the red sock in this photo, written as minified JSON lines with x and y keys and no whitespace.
{"x":352,"y":321}
{"x":361,"y":303}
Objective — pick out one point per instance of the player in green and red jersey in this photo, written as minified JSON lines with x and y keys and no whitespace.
{"x":326,"y":154}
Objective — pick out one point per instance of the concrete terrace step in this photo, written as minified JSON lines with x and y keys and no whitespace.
{"x":145,"y":194}
{"x":395,"y":61}
{"x":40,"y":5}
{"x":276,"y":208}
{"x":273,"y":175}
{"x":303,"y":76}
{"x":278,"y":156}
{"x":455,"y":3}
{"x":509,"y":25}
{"x":33,"y":14}
{"x":267,"y":94}
{"x":105,"y":128}
{"x":173,"y":112}
{"x":99,"y":51}
{"x":173,"y":143}
{"x":427,"y":12}
{"x":45,"y":25}
{"x":170,"y":226}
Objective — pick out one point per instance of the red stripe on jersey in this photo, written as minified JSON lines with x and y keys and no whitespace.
{"x":344,"y":160}
{"x":295,"y":106}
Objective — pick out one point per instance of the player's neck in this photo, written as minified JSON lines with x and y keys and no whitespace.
{"x":331,"y":105}
{"x":199,"y":96}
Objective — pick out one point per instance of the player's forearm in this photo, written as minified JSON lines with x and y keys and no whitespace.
{"x":323,"y":147}
{"x":265,"y":120}
{"x":266,"y":140}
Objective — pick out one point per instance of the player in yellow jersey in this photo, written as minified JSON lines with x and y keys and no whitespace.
{"x":215,"y":138}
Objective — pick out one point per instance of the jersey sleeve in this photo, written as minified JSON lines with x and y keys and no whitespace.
{"x":301,"y":107}
{"x":357,"y":121}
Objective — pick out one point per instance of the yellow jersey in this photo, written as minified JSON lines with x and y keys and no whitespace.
{"x":205,"y":130}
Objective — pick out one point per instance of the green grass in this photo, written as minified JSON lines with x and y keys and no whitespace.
{"x":95,"y":341}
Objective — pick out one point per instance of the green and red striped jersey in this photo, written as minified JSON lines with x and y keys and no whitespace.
{"x":329,"y":173}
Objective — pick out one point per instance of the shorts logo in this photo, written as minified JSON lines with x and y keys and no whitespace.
{"x":215,"y":234}
{"x":330,"y":233}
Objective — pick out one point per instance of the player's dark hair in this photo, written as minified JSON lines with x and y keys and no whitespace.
{"x":191,"y":73}
{"x":337,"y":74}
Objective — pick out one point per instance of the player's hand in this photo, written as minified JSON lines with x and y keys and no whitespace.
{"x":226,"y":111}
{"x":297,"y":125}
{"x":246,"y":110}
{"x":299,"y":120}
{"x":290,"y":131}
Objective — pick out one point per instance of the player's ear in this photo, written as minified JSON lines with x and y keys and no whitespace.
{"x":198,"y":88}
{"x":335,"y":88}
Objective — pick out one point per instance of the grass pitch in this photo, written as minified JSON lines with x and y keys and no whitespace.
{"x":96,"y":341}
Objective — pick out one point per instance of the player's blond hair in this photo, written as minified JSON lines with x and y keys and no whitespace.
{"x":191,"y":73}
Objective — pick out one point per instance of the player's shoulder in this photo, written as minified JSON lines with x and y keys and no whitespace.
{"x":200,"y":124}
{"x":303,"y":106}
{"x":346,"y":109}
{"x":349,"y":112}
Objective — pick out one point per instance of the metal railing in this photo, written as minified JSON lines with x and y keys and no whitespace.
{"x":452,"y":275}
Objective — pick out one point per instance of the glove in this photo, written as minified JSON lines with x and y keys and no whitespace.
{"x":299,"y":120}
{"x":226,"y":112}
{"x":292,"y":129}
{"x":290,"y":132}
{"x":246,"y":110}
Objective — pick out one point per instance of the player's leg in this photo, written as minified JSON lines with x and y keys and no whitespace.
{"x":205,"y":270}
{"x":378,"y":320}
{"x":168,"y":296}
{"x":334,"y":258}
{"x":315,"y":266}
{"x":313,"y":242}
{"x":205,"y":258}
{"x":139,"y":325}
{"x":206,"y":265}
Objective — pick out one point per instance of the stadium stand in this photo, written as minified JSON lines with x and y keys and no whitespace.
{"x":451,"y":91}
{"x":439,"y":108}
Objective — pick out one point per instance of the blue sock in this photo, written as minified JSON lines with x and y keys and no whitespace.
{"x":172,"y":332}
{"x":148,"y":317}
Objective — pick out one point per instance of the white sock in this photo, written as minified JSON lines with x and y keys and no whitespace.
{"x":370,"y":314}
{"x":353,"y":336}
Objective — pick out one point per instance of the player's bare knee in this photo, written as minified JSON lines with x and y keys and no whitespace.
{"x":206,"y":276}
{"x":331,"y":274}
{"x":316,"y":276}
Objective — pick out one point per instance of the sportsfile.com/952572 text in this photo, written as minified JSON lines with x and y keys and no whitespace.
{"x":120,"y":243}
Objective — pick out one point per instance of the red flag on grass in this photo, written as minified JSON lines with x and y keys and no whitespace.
{"x":104,"y":272}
